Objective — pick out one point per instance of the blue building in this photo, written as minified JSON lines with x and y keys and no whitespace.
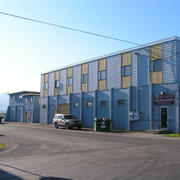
{"x":137,"y":88}
{"x":24,"y":106}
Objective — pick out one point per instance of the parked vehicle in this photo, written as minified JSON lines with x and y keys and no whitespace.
{"x":66,"y":120}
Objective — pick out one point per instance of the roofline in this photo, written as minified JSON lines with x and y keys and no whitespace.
{"x":115,"y":53}
{"x":31,"y":94}
{"x":27,"y":92}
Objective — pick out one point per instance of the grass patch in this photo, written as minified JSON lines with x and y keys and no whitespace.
{"x":177,"y":135}
{"x":2,"y":146}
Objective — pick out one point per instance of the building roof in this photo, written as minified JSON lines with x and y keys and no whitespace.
{"x":116,"y":53}
{"x":32,"y":94}
{"x":25,"y":92}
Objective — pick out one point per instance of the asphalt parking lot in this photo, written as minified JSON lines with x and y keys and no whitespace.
{"x":42,"y":152}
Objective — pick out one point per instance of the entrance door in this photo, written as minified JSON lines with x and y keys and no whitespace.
{"x":164,"y":117}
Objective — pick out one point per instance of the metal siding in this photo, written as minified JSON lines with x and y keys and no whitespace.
{"x":51,"y":108}
{"x":169,"y":62}
{"x":43,"y":112}
{"x":143,"y":106}
{"x":51,"y":84}
{"x":120,"y":112}
{"x":103,"y":111}
{"x":93,"y":72}
{"x":140,"y":67}
{"x":178,"y":59}
{"x":169,"y":89}
{"x":36,"y":109}
{"x":88,"y":111}
{"x":62,"y":99}
{"x":63,"y":81}
{"x":114,"y":72}
{"x":42,"y":86}
{"x":75,"y":98}
{"x":77,"y":79}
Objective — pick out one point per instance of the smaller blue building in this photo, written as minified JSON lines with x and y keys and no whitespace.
{"x":23,"y":106}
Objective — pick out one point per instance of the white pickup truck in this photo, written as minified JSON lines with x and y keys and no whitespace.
{"x":66,"y":120}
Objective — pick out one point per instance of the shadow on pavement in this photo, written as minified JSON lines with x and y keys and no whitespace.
{"x":8,"y":176}
{"x":4,"y":175}
{"x":53,"y":178}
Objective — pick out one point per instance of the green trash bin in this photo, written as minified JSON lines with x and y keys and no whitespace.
{"x":102,"y":124}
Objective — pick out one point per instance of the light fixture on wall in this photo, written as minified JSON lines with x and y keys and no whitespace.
{"x":162,"y":93}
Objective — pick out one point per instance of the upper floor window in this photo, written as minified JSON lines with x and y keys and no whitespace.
{"x":25,"y":101}
{"x":126,"y":70}
{"x":20,"y":96}
{"x":69,"y":81}
{"x":84,"y":78}
{"x":31,"y":100}
{"x":46,"y":85}
{"x":56,"y":83}
{"x":156,"y":65}
{"x":101,"y":75}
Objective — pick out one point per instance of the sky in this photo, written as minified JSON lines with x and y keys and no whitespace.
{"x":27,"y":49}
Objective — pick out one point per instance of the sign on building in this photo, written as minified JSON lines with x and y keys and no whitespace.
{"x":165,"y":99}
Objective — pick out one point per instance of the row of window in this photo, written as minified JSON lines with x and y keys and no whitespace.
{"x":155,"y":65}
{"x":103,"y":103}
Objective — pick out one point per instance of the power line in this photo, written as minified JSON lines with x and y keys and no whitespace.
{"x":69,"y":28}
{"x":79,"y":30}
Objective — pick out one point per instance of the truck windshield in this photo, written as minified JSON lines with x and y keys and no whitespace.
{"x":69,"y":117}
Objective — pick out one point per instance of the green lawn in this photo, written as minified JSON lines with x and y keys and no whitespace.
{"x":2,"y":146}
{"x":177,"y":135}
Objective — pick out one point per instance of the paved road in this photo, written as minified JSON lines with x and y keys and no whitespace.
{"x":39,"y":153}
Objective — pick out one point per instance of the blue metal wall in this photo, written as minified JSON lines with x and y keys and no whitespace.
{"x":42,"y":86}
{"x":140,"y":64}
{"x":93,"y":76}
{"x":169,"y":62}
{"x":103,"y":111}
{"x":43,"y":112}
{"x":88,"y":111}
{"x":120,"y":112}
{"x":114,"y":72}
{"x":36,"y":109}
{"x":51,"y":84}
{"x":51,"y":108}
{"x":75,"y":98}
{"x":63,"y":81}
{"x":77,"y":79}
{"x":168,"y":89}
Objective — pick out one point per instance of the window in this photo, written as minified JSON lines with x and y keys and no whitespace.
{"x":38,"y":100}
{"x":20,"y":96}
{"x":155,"y":65}
{"x":69,"y":81}
{"x":76,"y":104}
{"x":89,"y":103}
{"x":103,"y":103}
{"x":120,"y":102}
{"x":46,"y":85}
{"x":13,"y":97}
{"x":25,"y":101}
{"x":102,"y":75}
{"x":56,"y":83}
{"x":44,"y":106}
{"x":126,"y":71}
{"x":84,"y":78}
{"x":31,"y":100}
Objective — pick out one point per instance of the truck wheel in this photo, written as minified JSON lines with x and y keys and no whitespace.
{"x":67,"y":126}
{"x":79,"y":127}
{"x":56,"y":125}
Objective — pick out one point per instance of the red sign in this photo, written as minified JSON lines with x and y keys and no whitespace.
{"x":165,"y":99}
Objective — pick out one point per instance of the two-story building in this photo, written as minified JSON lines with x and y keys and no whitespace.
{"x":137,"y":88}
{"x":24,"y":106}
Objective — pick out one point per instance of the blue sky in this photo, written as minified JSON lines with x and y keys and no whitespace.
{"x":28,"y":49}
